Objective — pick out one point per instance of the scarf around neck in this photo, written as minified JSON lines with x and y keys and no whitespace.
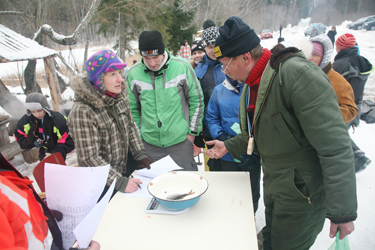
{"x":254,"y":79}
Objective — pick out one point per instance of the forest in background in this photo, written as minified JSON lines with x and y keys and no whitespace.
{"x":177,"y":20}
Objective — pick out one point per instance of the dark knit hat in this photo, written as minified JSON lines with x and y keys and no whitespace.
{"x":197,"y":45}
{"x":210,"y":32}
{"x":36,"y":101}
{"x":101,"y":62}
{"x":345,"y":41}
{"x":236,"y":38}
{"x":150,"y":43}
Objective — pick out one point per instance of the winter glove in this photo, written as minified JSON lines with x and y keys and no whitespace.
{"x":223,"y":136}
{"x":249,"y":162}
{"x":144,"y":163}
{"x":37,"y":144}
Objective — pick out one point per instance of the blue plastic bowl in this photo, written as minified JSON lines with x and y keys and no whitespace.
{"x":174,"y":183}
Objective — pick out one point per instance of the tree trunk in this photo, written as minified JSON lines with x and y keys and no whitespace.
{"x":10,"y":103}
{"x":122,"y":37}
{"x":30,"y":78}
{"x":52,"y":82}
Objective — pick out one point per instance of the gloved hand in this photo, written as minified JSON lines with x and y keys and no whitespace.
{"x":37,"y":143}
{"x":144,"y":163}
{"x":223,"y":136}
{"x":248,"y":162}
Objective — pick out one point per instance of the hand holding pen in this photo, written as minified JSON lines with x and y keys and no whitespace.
{"x":133,"y":185}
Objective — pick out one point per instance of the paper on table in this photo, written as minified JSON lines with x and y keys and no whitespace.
{"x":162,"y":166}
{"x":159,"y":167}
{"x":85,"y":231}
{"x":73,"y":191}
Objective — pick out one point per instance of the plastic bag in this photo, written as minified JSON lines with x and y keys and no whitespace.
{"x":340,"y":244}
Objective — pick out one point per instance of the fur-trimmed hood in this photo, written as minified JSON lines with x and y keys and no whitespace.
{"x":85,"y":92}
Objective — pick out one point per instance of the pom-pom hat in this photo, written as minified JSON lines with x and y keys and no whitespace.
{"x":101,"y":62}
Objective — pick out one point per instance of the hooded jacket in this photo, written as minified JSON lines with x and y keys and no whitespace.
{"x":103,"y":130}
{"x":53,"y":131}
{"x":343,"y":90}
{"x":355,"y":69}
{"x":300,"y":134}
{"x":167,"y":105}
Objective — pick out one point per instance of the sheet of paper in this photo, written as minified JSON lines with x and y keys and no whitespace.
{"x":73,"y":191}
{"x":85,"y":231}
{"x":159,"y":167}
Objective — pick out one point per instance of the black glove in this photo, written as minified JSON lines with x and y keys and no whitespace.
{"x":249,"y":162}
{"x":144,"y":163}
{"x":223,"y":136}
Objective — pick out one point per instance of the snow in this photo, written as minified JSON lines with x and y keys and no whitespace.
{"x":364,"y":135}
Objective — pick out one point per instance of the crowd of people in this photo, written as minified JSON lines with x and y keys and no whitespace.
{"x":250,"y":108}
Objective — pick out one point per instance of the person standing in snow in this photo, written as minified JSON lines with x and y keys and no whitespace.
{"x":166,"y":101}
{"x":281,"y":28}
{"x":43,"y":128}
{"x":314,"y":31}
{"x":321,"y":55}
{"x":289,"y":114}
{"x":331,"y":34}
{"x":101,"y":123}
{"x":185,"y":50}
{"x":356,"y":70}
{"x":210,"y":75}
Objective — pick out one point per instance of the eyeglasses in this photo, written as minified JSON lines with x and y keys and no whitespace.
{"x":226,"y":66}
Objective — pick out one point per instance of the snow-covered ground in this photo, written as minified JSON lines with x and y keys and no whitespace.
{"x":364,"y":135}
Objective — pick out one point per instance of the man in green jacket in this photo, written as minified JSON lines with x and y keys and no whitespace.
{"x":289,"y":114}
{"x":166,"y":101}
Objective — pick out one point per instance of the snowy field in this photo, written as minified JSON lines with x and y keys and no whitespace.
{"x":364,"y":135}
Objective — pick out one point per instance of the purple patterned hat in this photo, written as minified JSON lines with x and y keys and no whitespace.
{"x":100,"y":62}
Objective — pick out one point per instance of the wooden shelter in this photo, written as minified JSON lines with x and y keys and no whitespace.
{"x":15,"y":47}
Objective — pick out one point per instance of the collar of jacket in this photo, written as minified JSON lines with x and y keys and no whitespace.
{"x":328,"y":68}
{"x":202,"y":66}
{"x":161,"y":70}
{"x":85,"y":92}
{"x":352,"y":51}
{"x":280,"y":54}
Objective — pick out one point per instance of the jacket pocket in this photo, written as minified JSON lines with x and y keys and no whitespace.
{"x":301,"y":186}
{"x":286,"y":136}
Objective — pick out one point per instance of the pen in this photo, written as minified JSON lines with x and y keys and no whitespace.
{"x":137,"y":183}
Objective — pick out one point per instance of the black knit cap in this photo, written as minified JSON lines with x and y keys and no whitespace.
{"x":150,"y":43}
{"x":197,"y":45}
{"x":236,"y":38}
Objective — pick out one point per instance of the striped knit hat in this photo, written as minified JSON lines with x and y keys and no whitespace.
{"x":345,"y":41}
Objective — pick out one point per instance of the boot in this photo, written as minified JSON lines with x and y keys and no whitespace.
{"x":361,"y":162}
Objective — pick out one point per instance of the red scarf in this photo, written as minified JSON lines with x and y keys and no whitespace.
{"x":109,"y":94}
{"x":254,"y":79}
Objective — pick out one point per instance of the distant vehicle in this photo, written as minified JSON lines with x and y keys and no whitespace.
{"x":369,"y":25}
{"x":320,"y":27}
{"x":267,"y":33}
{"x":357,"y":25}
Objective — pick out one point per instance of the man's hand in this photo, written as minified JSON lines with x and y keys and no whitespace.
{"x":144,"y":163}
{"x":345,"y":229}
{"x":218,"y":151}
{"x":190,"y":138}
{"x":132,"y":185}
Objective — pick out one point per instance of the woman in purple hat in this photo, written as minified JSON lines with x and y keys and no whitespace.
{"x":101,"y":123}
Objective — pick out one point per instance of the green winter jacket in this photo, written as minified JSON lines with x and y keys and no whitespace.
{"x":301,"y":136}
{"x":168,"y":104}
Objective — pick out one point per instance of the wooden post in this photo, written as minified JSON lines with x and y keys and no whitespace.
{"x":53,"y":83}
{"x":4,"y":137}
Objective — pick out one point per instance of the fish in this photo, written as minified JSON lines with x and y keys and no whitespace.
{"x":179,"y":196}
